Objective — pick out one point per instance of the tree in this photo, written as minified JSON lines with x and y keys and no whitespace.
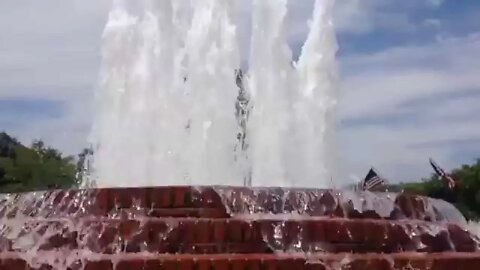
{"x":466,"y":196}
{"x":33,"y":168}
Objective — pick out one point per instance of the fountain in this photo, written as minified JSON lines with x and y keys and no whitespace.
{"x":232,"y":228}
{"x":170,"y":110}
{"x":168,"y":96}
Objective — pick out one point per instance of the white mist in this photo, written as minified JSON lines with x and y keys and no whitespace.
{"x":166,"y":105}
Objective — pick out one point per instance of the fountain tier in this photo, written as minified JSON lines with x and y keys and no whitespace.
{"x":232,"y":228}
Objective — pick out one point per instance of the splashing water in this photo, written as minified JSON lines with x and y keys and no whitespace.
{"x":172,"y":112}
{"x":474,"y":227}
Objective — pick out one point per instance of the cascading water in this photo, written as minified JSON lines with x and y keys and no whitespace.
{"x":172,"y":112}
{"x":290,"y":122}
{"x":175,"y":109}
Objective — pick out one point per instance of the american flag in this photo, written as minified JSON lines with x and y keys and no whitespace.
{"x":372,"y":180}
{"x":442,"y":174}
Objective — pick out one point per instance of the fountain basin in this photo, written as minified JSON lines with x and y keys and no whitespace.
{"x":232,"y":228}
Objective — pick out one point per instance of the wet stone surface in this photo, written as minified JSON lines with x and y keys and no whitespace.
{"x":231,"y":228}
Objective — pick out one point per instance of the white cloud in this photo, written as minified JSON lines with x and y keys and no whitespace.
{"x":362,"y":16}
{"x":397,"y":75}
{"x":51,"y":49}
{"x":379,"y":85}
{"x":430,"y":22}
{"x":435,"y":3}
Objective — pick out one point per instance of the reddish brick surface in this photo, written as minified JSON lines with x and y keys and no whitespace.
{"x":314,"y":202}
{"x":450,"y":261}
{"x":195,"y":228}
{"x":205,"y":235}
{"x":160,"y":197}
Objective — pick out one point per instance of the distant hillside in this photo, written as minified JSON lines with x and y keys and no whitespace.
{"x":37,"y":167}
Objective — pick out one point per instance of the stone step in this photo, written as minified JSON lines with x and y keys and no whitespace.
{"x":231,"y":228}
{"x":217,"y":235}
{"x":111,"y":201}
{"x":169,"y":213}
{"x":231,"y":201}
{"x":292,"y":261}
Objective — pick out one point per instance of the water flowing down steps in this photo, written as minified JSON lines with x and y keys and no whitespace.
{"x":231,"y":228}
{"x":444,"y":261}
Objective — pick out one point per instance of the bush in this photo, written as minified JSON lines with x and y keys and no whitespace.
{"x":465,"y":196}
{"x":33,"y":168}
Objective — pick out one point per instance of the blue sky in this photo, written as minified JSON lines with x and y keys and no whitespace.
{"x":410,"y":87}
{"x":402,"y":23}
{"x":16,"y":111}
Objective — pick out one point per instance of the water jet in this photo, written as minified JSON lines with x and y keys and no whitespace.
{"x":176,"y":135}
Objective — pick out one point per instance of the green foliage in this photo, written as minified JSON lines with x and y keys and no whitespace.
{"x":465,"y":196}
{"x":33,"y":168}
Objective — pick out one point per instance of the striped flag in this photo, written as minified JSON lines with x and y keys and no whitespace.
{"x":373,"y":180}
{"x":442,"y":174}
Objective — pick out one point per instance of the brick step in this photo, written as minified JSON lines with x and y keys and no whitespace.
{"x":203,"y":235}
{"x":170,"y":213}
{"x":158,"y":201}
{"x":229,"y":201}
{"x":292,"y":261}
